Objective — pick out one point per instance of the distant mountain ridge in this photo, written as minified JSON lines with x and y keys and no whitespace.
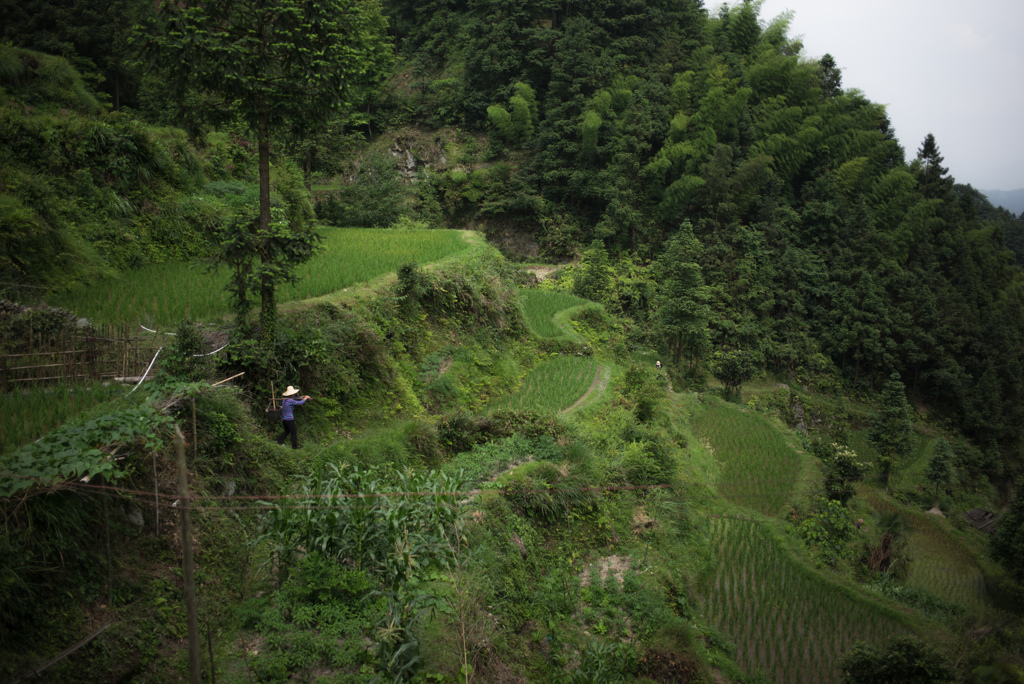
{"x":1011,"y":200}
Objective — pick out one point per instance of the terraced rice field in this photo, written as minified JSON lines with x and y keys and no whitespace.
{"x":940,"y":564}
{"x":759,"y":466}
{"x":910,"y":471}
{"x":786,"y":622}
{"x":554,"y":385}
{"x":540,"y":307}
{"x":163,"y":294}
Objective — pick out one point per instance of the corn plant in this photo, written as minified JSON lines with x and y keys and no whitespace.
{"x":392,"y":524}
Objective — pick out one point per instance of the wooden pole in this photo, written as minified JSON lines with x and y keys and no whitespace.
{"x":195,"y":666}
{"x":226,"y":379}
{"x":209,"y":645}
{"x":110,"y":580}
{"x":156,"y":495}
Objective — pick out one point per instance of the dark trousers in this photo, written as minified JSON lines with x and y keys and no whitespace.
{"x":289,"y":428}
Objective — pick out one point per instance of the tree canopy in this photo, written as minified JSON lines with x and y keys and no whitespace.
{"x":272,"y":64}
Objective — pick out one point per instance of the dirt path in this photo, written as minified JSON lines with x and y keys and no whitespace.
{"x":601,"y":377}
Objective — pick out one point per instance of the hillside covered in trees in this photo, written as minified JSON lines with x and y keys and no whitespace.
{"x":825,"y":248}
{"x":704,"y":193}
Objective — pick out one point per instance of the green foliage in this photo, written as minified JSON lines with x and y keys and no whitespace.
{"x":259,"y":260}
{"x":483,"y":461}
{"x":841,"y":469}
{"x":37,"y":535}
{"x":828,"y":530}
{"x":593,"y":279}
{"x":258,"y":77}
{"x":28,"y":247}
{"x":255,"y":59}
{"x":890,"y":554}
{"x":1007,"y":543}
{"x":648,"y":462}
{"x":82,"y":449}
{"x":733,"y":368}
{"x":516,"y":128}
{"x":540,"y":491}
{"x":43,"y":80}
{"x":940,"y":466}
{"x":366,"y":517}
{"x":900,"y":659}
{"x":929,"y":604}
{"x":89,"y":191}
{"x":889,"y":431}
{"x":319,"y":618}
{"x":374,"y":197}
{"x":644,"y":387}
{"x":186,"y":359}
{"x":681,"y":304}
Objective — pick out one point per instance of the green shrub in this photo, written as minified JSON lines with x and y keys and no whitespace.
{"x":901,"y":659}
{"x":186,"y":359}
{"x":374,"y":198}
{"x":828,"y":530}
{"x":320,"y":618}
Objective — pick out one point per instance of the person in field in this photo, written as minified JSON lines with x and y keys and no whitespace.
{"x":288,"y":415}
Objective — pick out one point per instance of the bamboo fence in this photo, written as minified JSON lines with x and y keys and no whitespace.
{"x":115,"y":352}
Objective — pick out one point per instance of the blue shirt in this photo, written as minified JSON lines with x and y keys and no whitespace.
{"x":288,"y":408}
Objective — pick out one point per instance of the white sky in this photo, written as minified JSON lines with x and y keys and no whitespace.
{"x":947,"y":67}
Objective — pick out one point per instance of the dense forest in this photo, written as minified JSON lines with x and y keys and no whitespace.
{"x":721,"y":195}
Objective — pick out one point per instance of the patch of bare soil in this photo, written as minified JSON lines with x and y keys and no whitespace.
{"x":542,"y":272}
{"x":609,"y":565}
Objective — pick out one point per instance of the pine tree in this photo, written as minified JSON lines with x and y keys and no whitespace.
{"x":932,"y":175}
{"x":1008,"y":541}
{"x":682,"y":310}
{"x":939,"y":466}
{"x":890,"y":431}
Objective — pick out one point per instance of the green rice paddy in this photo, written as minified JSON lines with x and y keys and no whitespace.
{"x":554,"y":385}
{"x":939,"y":563}
{"x":910,"y":471}
{"x":759,"y":467}
{"x":540,"y":307}
{"x":161,"y":295}
{"x":787,"y":622}
{"x":25,"y":416}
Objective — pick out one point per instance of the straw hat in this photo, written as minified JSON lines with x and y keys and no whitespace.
{"x":290,"y":391}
